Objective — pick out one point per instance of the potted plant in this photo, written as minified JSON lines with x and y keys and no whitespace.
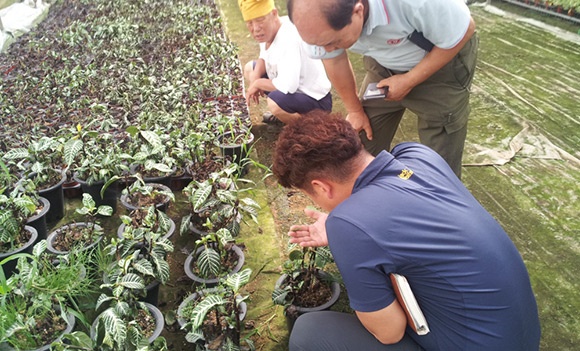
{"x":16,"y":236}
{"x":235,"y":140}
{"x":80,"y":235}
{"x":36,"y":302}
{"x":219,"y":201}
{"x":196,"y":148}
{"x":191,"y":146}
{"x":79,"y":340}
{"x":24,"y":191}
{"x":150,"y":155}
{"x":97,"y":157}
{"x":149,"y":218}
{"x":126,"y":323}
{"x":214,"y":316}
{"x":304,"y":285}
{"x":42,"y":161}
{"x":143,"y":253}
{"x":141,"y":194}
{"x":215,"y":256}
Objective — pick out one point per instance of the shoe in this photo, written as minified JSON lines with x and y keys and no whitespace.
{"x":269,"y":118}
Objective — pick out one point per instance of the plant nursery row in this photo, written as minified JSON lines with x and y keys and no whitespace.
{"x":568,"y":7}
{"x":124,"y":129}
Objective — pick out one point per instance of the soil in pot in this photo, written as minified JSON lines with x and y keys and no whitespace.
{"x":24,"y":244}
{"x":317,"y":294}
{"x":46,"y":331}
{"x":138,"y":200}
{"x":65,"y":238}
{"x":232,"y":263}
{"x":203,"y":170}
{"x":150,"y":321}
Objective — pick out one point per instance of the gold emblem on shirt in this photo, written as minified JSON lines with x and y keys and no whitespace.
{"x":406,"y":174}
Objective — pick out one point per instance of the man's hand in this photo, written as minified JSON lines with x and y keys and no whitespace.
{"x":310,"y":235}
{"x":360,"y":121}
{"x":339,"y":71}
{"x":253,"y":94}
{"x":399,"y":86}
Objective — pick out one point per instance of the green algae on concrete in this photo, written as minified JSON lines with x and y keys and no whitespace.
{"x":525,"y":92}
{"x":263,"y":256}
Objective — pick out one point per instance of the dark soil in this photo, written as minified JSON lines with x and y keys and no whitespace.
{"x":146,"y":322}
{"x":52,"y":178}
{"x":143,"y":200}
{"x":47,"y":329}
{"x":203,"y":170}
{"x":312,"y":293}
{"x":73,"y":236}
{"x":17,"y":243}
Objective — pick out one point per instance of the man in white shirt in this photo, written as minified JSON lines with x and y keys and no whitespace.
{"x":293,"y":82}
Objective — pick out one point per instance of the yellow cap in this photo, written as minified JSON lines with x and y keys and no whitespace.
{"x":255,"y":8}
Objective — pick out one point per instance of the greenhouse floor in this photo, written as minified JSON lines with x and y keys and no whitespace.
{"x":521,"y":161}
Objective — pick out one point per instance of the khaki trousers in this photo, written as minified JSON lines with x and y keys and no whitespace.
{"x":441,"y":104}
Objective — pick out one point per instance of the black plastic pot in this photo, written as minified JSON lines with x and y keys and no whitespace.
{"x":293,"y":311}
{"x":62,"y":231}
{"x":236,"y":152}
{"x":109,"y":197}
{"x":177,"y":183}
{"x":157,"y":315}
{"x":210,"y":282}
{"x":72,"y":189}
{"x":54,"y":195}
{"x":38,"y":221}
{"x":162,"y":206}
{"x":10,"y":265}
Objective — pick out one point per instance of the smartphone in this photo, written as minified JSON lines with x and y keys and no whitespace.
{"x":372,"y":92}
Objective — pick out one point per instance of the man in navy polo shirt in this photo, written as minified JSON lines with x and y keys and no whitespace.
{"x":403,"y":212}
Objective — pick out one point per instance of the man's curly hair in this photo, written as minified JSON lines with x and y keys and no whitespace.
{"x":319,"y":144}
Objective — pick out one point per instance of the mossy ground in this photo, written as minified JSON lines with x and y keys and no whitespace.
{"x":526,"y":81}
